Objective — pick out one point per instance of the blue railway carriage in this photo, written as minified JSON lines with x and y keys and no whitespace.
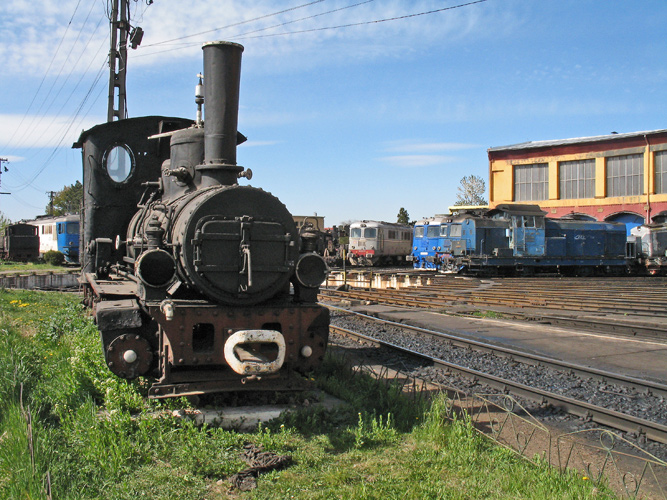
{"x":59,"y":233}
{"x":373,"y":243}
{"x":68,"y":237}
{"x":520,"y":239}
{"x":19,"y":242}
{"x":649,"y":244}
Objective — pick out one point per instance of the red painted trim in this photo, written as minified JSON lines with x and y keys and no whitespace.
{"x":362,"y":252}
{"x":569,"y":149}
{"x":602,"y":212}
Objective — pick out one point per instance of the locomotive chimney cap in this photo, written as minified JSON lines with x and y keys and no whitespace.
{"x":221,"y":42}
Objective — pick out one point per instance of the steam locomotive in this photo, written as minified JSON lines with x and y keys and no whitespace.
{"x":195,"y":280}
{"x":19,"y":242}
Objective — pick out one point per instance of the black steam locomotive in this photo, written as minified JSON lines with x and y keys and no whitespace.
{"x":19,"y":242}
{"x":207,"y":287}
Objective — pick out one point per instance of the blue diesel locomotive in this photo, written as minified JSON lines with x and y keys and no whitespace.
{"x":520,"y":239}
{"x":433,"y":239}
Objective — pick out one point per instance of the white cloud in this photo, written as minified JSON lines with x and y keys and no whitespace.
{"x":415,"y":161}
{"x":427,"y":147}
{"x":41,"y":132}
{"x":31,"y":36}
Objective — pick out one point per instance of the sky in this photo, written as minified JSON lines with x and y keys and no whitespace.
{"x":353,"y":109}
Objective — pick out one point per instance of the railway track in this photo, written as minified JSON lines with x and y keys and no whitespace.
{"x":612,"y":414}
{"x":624,"y":306}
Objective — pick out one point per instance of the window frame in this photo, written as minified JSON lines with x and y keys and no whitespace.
{"x":531,"y":182}
{"x":576,"y":179}
{"x":619,"y":183}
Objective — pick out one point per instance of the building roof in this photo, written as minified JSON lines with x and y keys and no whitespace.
{"x":576,"y":140}
{"x":518,"y":209}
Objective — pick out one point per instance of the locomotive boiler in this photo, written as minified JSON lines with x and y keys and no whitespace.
{"x":207,"y":286}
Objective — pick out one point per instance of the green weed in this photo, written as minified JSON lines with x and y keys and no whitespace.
{"x":487,"y":314}
{"x":65,"y":421}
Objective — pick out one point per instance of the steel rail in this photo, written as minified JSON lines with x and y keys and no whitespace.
{"x":455,"y":338}
{"x":421,"y":298}
{"x":634,"y":330}
{"x":519,"y":299}
{"x":611,"y":418}
{"x":572,"y":290}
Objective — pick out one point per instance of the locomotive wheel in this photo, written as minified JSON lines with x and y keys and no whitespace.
{"x":586,"y":271}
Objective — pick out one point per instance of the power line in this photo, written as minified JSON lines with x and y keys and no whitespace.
{"x":191,"y":44}
{"x":66,"y":130}
{"x":243,"y":36}
{"x":407,"y":16}
{"x":234,"y":24}
{"x":45,"y":73}
{"x":30,"y":131}
{"x":25,"y":203}
{"x":39,"y":114}
{"x":305,"y":18}
{"x":68,"y":126}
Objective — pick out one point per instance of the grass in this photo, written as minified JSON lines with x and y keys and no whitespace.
{"x":67,"y":422}
{"x":27,"y":267}
{"x":487,"y":314}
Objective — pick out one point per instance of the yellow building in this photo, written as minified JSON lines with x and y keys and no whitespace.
{"x":617,"y":177}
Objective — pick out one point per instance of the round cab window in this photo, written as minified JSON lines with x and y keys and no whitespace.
{"x":119,"y":163}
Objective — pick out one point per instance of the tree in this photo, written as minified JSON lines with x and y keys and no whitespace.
{"x":403,"y":216}
{"x":4,"y":221}
{"x":66,"y":201}
{"x":471,"y":191}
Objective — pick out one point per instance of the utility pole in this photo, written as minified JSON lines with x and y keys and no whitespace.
{"x":3,"y":169}
{"x":120,"y":31}
{"x":51,"y":195}
{"x":118,"y":60}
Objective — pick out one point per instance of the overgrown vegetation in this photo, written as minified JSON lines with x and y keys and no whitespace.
{"x":487,"y":314}
{"x":54,"y":258}
{"x":67,"y":422}
{"x":28,"y":267}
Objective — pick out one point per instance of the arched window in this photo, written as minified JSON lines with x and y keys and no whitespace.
{"x":628,"y":218}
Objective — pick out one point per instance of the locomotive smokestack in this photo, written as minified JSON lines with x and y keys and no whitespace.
{"x":222,"y":78}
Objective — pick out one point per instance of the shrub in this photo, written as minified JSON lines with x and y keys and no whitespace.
{"x":54,"y":257}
